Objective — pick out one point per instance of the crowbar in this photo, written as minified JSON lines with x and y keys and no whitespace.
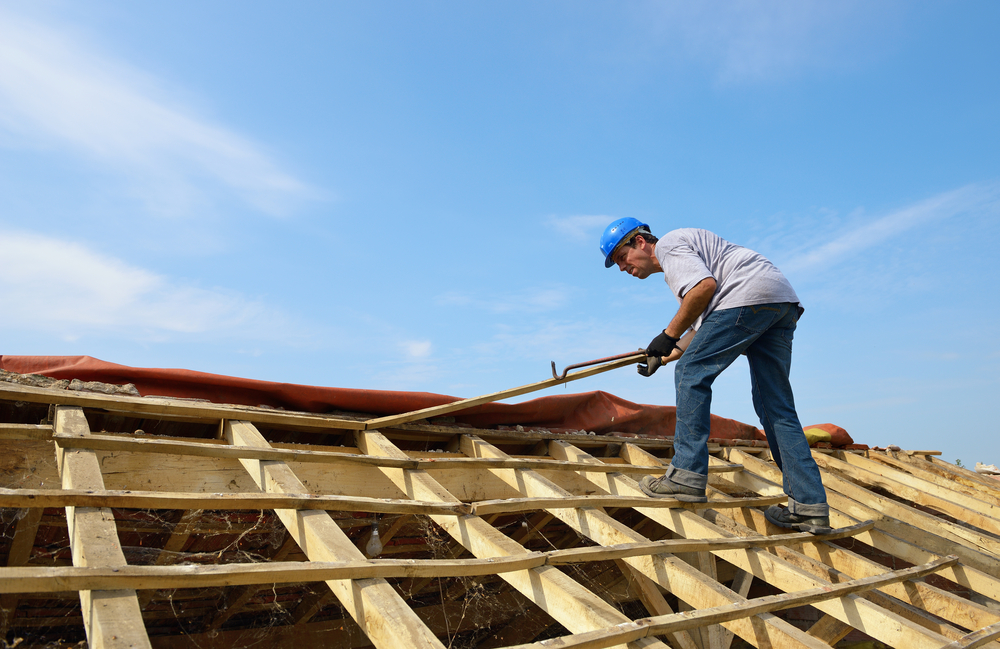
{"x":641,"y":354}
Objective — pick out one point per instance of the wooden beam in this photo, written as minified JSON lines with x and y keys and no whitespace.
{"x":111,"y":618}
{"x":211,"y":449}
{"x":163,"y":408}
{"x":908,"y":522}
{"x":59,"y":579}
{"x":649,"y":594}
{"x":25,"y":431}
{"x":696,"y":619}
{"x":374,"y":605}
{"x":970,"y":510}
{"x":830,"y":630}
{"x":690,"y":585}
{"x":860,"y":613}
{"x":927,"y":605}
{"x":564,"y":599}
{"x":925,"y":471}
{"x":912,"y":544}
{"x":976,"y":638}
{"x":19,"y":555}
{"x":130,"y":499}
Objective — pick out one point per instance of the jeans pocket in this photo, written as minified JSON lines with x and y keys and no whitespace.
{"x":760,"y":317}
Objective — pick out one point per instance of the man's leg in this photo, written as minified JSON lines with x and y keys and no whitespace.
{"x":770,"y":358}
{"x":718,"y":343}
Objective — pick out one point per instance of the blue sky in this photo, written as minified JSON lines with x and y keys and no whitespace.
{"x":409,"y":195}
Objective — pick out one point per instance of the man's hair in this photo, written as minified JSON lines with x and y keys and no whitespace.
{"x":647,"y":237}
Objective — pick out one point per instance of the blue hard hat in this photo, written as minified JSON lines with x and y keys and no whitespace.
{"x":618,"y":232}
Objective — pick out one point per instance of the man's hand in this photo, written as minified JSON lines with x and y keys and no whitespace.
{"x":652,"y":364}
{"x":662,"y":345}
{"x":658,"y":349}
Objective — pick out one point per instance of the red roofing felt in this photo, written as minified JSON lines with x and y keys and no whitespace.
{"x":598,"y":412}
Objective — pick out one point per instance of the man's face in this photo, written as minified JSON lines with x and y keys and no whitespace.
{"x":635,"y":260}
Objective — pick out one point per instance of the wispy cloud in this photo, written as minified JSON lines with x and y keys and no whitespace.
{"x":71,"y":291}
{"x":757,"y":40}
{"x":867,"y":234}
{"x":580,"y":227}
{"x":57,"y":91}
{"x":417,"y":348}
{"x":529,"y":300}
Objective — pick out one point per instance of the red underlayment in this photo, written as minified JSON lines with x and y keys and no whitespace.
{"x":598,"y":412}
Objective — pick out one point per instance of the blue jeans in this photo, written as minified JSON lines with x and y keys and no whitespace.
{"x":764,"y":333}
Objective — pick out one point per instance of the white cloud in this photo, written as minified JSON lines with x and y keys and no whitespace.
{"x":580,"y":227}
{"x":871,"y":233}
{"x":417,"y":348}
{"x":69,"y":290}
{"x":755,"y":40}
{"x":56,"y":91}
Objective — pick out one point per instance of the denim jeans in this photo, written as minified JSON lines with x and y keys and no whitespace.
{"x":764,"y":333}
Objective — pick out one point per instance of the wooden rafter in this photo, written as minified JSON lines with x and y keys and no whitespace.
{"x":372,"y":602}
{"x":571,"y":604}
{"x":873,"y":620}
{"x":112,"y":618}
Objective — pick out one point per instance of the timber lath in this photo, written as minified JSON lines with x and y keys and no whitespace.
{"x":133,"y":522}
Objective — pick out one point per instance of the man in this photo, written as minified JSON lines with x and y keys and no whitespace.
{"x":738,"y":303}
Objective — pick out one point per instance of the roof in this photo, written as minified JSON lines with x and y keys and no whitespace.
{"x":169,"y":522}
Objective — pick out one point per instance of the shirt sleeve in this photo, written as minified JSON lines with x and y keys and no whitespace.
{"x":684,"y":269}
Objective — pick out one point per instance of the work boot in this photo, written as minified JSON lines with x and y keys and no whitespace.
{"x":663,"y":488}
{"x":782,"y":517}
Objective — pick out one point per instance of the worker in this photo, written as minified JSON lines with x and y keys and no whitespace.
{"x":733,"y":301}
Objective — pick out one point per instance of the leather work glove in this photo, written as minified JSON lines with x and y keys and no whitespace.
{"x":652,"y":364}
{"x":659,"y":347}
{"x":662,"y":345}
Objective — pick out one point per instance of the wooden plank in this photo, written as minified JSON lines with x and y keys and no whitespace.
{"x":948,"y":606}
{"x":111,"y":618}
{"x":689,"y":585}
{"x":912,"y":544}
{"x":741,"y":586}
{"x":979,"y":500}
{"x":130,"y":499}
{"x":695,"y":619}
{"x":436,"y":411}
{"x":208,"y":449}
{"x":927,"y":472}
{"x":25,"y":431}
{"x":909,"y":606}
{"x":240,"y":501}
{"x":830,"y":630}
{"x":553,"y":591}
{"x":976,"y":638}
{"x":916,"y":601}
{"x":973,"y":511}
{"x":374,"y":605}
{"x":923,"y":598}
{"x":856,"y":611}
{"x":511,"y":505}
{"x":19,"y":555}
{"x":161,"y":408}
{"x":646,"y":591}
{"x":967,"y":537}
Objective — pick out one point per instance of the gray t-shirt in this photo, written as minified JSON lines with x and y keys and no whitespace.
{"x":743,"y":277}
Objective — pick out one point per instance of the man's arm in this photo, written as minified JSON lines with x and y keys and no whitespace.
{"x":693,"y":304}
